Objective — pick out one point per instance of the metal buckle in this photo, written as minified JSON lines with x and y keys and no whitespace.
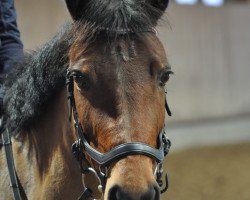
{"x":158,"y":174}
{"x":75,"y":148}
{"x":88,"y":172}
{"x":167,"y":143}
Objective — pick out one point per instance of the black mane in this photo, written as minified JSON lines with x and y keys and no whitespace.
{"x":34,"y":80}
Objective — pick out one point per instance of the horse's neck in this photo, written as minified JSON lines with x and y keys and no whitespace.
{"x":44,"y":154}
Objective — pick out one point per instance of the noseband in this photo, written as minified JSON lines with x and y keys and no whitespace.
{"x":81,"y":148}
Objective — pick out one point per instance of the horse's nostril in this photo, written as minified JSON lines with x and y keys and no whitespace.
{"x":117,"y":193}
{"x":152,"y":194}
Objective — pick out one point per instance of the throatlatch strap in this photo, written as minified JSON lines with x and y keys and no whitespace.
{"x":11,"y":165}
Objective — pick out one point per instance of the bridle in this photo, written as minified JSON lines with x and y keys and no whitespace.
{"x":81,"y":148}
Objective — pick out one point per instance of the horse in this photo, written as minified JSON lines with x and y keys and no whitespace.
{"x":99,"y":84}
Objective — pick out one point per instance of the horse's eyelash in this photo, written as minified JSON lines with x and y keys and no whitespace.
{"x":77,"y":73}
{"x":168,"y":68}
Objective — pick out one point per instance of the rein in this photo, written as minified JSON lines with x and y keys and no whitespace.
{"x":17,"y":189}
{"x":81,"y":147}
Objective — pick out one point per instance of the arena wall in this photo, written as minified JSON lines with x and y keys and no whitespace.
{"x":208,"y":48}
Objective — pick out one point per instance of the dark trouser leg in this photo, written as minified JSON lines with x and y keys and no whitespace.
{"x":11,"y":47}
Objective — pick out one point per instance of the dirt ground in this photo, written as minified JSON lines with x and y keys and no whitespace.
{"x":210,"y":173}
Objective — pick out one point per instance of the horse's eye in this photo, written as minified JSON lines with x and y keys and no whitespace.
{"x":82,"y":80}
{"x":164,"y":76}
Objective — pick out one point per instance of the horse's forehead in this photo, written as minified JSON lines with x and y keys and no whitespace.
{"x":134,"y":49}
{"x":130,"y":53}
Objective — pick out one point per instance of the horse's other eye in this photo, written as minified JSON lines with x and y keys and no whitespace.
{"x":164,"y":76}
{"x":82,"y":80}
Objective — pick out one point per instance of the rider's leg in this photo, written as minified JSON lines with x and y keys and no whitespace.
{"x":11,"y":46}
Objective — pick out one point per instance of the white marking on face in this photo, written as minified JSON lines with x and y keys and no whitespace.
{"x":78,"y":64}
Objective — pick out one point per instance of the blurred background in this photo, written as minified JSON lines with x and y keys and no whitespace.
{"x":208,"y":46}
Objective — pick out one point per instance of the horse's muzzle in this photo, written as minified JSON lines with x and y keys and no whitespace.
{"x":117,"y":193}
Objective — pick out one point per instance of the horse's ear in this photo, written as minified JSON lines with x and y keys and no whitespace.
{"x":160,"y":4}
{"x":76,"y":7}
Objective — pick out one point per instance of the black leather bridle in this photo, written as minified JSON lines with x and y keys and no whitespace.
{"x":81,"y":148}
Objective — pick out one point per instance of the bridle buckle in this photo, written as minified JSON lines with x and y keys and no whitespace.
{"x":167,"y":144}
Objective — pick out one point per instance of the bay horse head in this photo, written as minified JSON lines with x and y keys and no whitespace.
{"x":116,"y":77}
{"x":116,"y":70}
